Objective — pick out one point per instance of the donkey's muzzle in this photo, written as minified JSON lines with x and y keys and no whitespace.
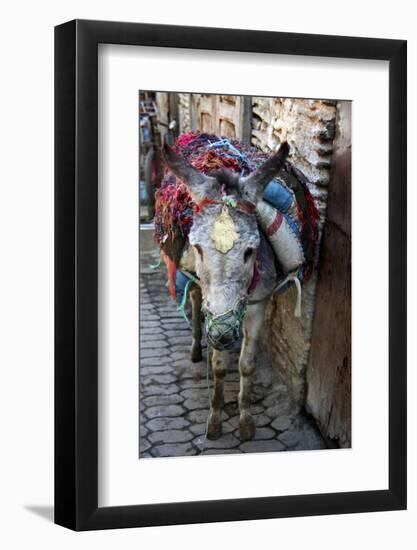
{"x":225,"y":329}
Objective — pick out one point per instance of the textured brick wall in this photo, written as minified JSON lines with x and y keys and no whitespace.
{"x":309,"y":128}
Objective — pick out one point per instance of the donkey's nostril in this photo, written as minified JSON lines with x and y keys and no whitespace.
{"x":247,"y":254}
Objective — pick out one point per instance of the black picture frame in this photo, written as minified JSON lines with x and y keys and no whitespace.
{"x":76,"y":272}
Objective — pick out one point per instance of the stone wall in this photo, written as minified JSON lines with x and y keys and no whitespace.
{"x":309,"y":128}
{"x":184,"y":113}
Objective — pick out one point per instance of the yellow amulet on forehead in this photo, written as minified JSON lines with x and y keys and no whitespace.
{"x":224,"y":234}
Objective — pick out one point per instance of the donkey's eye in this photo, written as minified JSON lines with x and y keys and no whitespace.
{"x":199,"y":250}
{"x":248,"y":254}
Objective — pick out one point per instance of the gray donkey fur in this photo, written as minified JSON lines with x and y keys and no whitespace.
{"x":225,"y":277}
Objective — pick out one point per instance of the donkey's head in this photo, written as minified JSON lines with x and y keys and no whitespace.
{"x":225,"y":239}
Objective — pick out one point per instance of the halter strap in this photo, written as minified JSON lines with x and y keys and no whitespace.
{"x":242,"y":205}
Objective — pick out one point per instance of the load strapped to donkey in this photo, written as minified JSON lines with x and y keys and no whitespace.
{"x":287,"y":214}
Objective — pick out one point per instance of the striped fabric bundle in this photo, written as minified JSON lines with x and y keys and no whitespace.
{"x":283,"y":234}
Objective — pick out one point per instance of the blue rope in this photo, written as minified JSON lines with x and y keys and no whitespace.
{"x":157,"y":265}
{"x":233,"y":151}
{"x":181,"y":307}
{"x":184,"y":300}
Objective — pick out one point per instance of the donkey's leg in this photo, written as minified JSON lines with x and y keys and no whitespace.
{"x":251,"y":330}
{"x":219,"y":364}
{"x":195,"y":295}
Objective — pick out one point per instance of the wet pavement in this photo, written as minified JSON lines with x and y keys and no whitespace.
{"x":174,"y":392}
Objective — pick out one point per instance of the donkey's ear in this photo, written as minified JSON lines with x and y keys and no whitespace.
{"x":252,"y":186}
{"x":199,"y":185}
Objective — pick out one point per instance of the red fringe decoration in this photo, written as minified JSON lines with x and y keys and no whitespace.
{"x":312,"y":215}
{"x":172,"y":274}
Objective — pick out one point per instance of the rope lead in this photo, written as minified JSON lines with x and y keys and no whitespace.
{"x":297,"y":310}
{"x":157,"y":265}
{"x":184,"y":300}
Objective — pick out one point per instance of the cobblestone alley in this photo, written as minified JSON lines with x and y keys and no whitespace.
{"x":174,"y":402}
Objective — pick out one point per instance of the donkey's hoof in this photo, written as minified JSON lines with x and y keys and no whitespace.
{"x":247,"y":427}
{"x":196,"y":354}
{"x":214,"y":430}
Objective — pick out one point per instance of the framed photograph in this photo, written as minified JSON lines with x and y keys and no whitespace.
{"x":230,"y":244}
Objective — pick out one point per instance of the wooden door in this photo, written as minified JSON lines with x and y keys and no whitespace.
{"x":223,"y":115}
{"x":329,"y":369}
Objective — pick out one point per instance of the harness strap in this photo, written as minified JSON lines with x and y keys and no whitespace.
{"x":244,"y":206}
{"x":290,"y":278}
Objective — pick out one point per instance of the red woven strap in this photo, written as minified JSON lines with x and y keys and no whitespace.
{"x":244,"y":206}
{"x":255,"y":277}
{"x":199,"y":206}
{"x":275,"y":225}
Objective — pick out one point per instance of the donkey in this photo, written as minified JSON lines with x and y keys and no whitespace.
{"x":223,"y":256}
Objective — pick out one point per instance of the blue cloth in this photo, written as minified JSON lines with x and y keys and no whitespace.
{"x":293,"y":225}
{"x":143,"y":195}
{"x":181,"y":281}
{"x":279,"y":196}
